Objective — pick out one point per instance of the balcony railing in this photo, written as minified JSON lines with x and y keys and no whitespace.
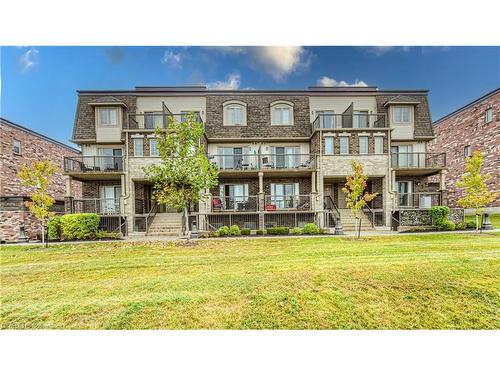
{"x":287,"y":202}
{"x":348,"y":121}
{"x":408,"y":160}
{"x":419,"y":200}
{"x":99,"y":206}
{"x":151,"y":121}
{"x":92,"y":164}
{"x":263,"y":161}
{"x":247,"y":203}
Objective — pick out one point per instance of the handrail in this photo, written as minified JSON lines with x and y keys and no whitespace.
{"x":157,"y":119}
{"x":371,"y":217}
{"x":328,"y":121}
{"x":418,"y":160}
{"x":260,"y":161}
{"x":86,"y":164}
{"x":100,"y":206}
{"x":150,"y":216}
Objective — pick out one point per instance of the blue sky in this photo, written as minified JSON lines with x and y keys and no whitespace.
{"x":38,"y":84}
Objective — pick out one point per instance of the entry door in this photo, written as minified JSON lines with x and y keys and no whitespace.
{"x":405,"y":193}
{"x":110,"y":203}
{"x":341,"y":194}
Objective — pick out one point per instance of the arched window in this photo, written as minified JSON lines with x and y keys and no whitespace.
{"x":282,"y":113}
{"x":235,"y":113}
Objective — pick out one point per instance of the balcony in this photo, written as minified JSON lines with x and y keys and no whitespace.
{"x":422,"y":200}
{"x":100,"y":167}
{"x":99,"y":206}
{"x":238,"y":163}
{"x":248,"y":203}
{"x":287,"y":202}
{"x":349,"y":121}
{"x":418,"y":163}
{"x":152,"y":121}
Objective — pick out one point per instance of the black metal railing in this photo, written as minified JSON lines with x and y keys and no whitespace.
{"x":419,"y":200}
{"x":287,"y":202}
{"x":151,"y":121}
{"x":93,"y":164}
{"x":235,"y":203}
{"x":409,"y":160}
{"x":349,"y":121}
{"x":243,"y":162}
{"x":99,"y":206}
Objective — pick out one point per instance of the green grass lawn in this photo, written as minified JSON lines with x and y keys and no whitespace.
{"x":494,"y":218}
{"x":387,"y":282}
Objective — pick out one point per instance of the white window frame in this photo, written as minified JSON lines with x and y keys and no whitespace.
{"x":101,"y":110}
{"x":136,"y":143}
{"x":364,"y":138}
{"x":488,"y":115}
{"x":230,"y":117}
{"x":18,"y":147}
{"x":326,"y":119}
{"x":359,"y":114}
{"x":278,"y":109}
{"x":399,"y":119}
{"x":343,"y":137}
{"x":467,"y":151}
{"x":380,"y":139}
{"x":329,"y":145}
{"x":155,"y":141}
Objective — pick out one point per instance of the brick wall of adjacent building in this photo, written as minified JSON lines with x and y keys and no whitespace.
{"x":468,"y":127}
{"x":258,"y":117}
{"x":34,"y":147}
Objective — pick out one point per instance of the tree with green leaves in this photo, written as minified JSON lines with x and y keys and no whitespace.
{"x":38,"y":177}
{"x":477,"y":195}
{"x":185,"y":171}
{"x":356,"y":195}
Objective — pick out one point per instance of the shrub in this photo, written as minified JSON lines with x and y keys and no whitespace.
{"x":417,"y":228}
{"x":470,"y":224}
{"x":245,"y":232}
{"x":259,"y":232}
{"x":103,"y":235}
{"x":460,"y":225}
{"x":234,"y":230}
{"x":439,"y":215}
{"x":323,"y":231}
{"x":448,"y":225}
{"x":54,"y":228}
{"x":310,"y":228}
{"x":296,"y":231}
{"x":79,"y":226}
{"x":278,"y":231}
{"x":223,"y":231}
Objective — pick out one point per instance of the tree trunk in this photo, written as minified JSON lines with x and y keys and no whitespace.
{"x":477,"y":223}
{"x":43,"y":233}
{"x":359,"y":228}
{"x":186,"y":222}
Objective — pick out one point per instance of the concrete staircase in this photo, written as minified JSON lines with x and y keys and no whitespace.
{"x":166,"y":224}
{"x":349,"y":221}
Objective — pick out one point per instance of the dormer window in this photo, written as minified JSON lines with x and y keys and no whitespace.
{"x":107,"y":116}
{"x":401,"y":114}
{"x":282,"y":113}
{"x":235,"y":113}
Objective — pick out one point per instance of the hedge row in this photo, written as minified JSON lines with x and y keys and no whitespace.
{"x":234,"y":230}
{"x":74,"y":227}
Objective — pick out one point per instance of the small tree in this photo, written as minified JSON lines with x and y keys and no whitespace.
{"x":356,"y":196}
{"x":38,"y":176}
{"x":477,"y":196}
{"x":185,"y":171}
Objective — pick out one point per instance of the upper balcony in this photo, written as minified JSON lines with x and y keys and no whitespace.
{"x":418,"y":163}
{"x":349,"y":121}
{"x":156,"y":120}
{"x":236,"y":164}
{"x":94,"y":167}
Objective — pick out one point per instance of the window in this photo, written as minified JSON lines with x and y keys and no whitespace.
{"x":285,"y":195}
{"x":489,"y":115}
{"x":326,"y":119}
{"x":234,"y":115}
{"x":328,"y":145}
{"x":401,"y":114}
{"x":153,"y":120}
{"x":282,"y":113}
{"x":153,"y":147}
{"x":111,"y":159}
{"x":108,"y":116}
{"x":379,"y":145}
{"x":16,"y":147}
{"x":285,"y":157}
{"x":360,"y":119}
{"x":405,"y":193}
{"x":363,"y":145}
{"x":110,"y":199}
{"x":138,"y":147}
{"x":468,"y":151}
{"x":344,"y":145}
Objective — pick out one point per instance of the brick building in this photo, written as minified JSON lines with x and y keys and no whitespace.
{"x":473,"y":127}
{"x":18,"y":146}
{"x":282,"y":155}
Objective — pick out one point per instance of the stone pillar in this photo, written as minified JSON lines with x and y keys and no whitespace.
{"x":313,"y":182}
{"x":442,"y":188}
{"x":387,"y":201}
{"x":129,"y":206}
{"x":68,"y":199}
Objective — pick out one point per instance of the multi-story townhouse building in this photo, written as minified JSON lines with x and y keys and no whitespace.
{"x":20,"y":145}
{"x":473,"y":127}
{"x":283,"y":155}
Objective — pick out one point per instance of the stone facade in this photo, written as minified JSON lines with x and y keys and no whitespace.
{"x":467,"y":127}
{"x":258,"y":117}
{"x":34,"y":147}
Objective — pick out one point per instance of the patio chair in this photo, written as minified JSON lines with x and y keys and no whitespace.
{"x":216,"y":204}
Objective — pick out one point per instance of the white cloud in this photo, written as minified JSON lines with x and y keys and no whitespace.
{"x":278,"y":62}
{"x":172,"y":59}
{"x":27,"y":59}
{"x":331,"y":82}
{"x":232,"y":83}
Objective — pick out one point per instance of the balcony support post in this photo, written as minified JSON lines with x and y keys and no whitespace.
{"x":68,"y":198}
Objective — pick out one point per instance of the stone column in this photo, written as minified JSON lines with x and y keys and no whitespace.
{"x":68,"y":199}
{"x":129,"y":206}
{"x":387,"y":202}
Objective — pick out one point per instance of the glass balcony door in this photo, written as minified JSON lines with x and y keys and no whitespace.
{"x":360,"y":119}
{"x":405,"y":193}
{"x":110,"y":199}
{"x":111,"y":159}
